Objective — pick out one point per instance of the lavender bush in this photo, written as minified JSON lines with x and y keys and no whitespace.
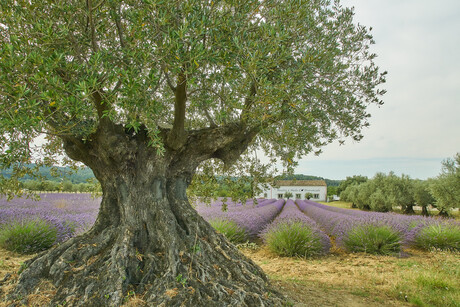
{"x":292,"y":233}
{"x":229,"y":229}
{"x":68,"y":213}
{"x":441,"y":235}
{"x":373,"y":239}
{"x":27,"y":236}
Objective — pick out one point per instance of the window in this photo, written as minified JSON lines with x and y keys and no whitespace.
{"x":297,"y":196}
{"x":316,"y":196}
{"x":265,"y":195}
{"x":280,"y":196}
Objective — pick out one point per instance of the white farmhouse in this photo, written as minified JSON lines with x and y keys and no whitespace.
{"x":300,"y":189}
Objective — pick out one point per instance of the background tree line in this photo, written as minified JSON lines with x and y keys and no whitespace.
{"x":385,"y":192}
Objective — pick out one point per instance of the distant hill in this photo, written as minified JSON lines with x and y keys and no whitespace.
{"x":329,"y":182}
{"x":80,"y":176}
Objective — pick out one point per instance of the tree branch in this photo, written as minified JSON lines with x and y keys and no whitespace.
{"x":89,"y":4}
{"x":119,"y":27}
{"x":249,"y":101}
{"x":176,"y":136}
{"x":168,"y":80}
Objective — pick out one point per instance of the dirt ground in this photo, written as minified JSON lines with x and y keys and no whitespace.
{"x":335,"y":280}
{"x":340,"y":279}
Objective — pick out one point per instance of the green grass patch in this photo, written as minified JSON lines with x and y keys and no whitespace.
{"x":230,"y":230}
{"x":27,"y":236}
{"x":435,"y":282}
{"x":293,"y":239}
{"x":373,"y":239}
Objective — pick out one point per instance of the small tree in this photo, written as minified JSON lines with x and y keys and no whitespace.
{"x":422,"y":195}
{"x":378,"y":201}
{"x":288,"y":195}
{"x":446,"y":187}
{"x":308,"y":195}
{"x":400,"y":192}
{"x":350,"y":194}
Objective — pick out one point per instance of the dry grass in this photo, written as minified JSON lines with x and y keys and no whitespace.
{"x":343,"y":279}
{"x":339,"y":279}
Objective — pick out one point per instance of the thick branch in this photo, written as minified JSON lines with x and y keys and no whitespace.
{"x":226,"y":143}
{"x":89,"y":4}
{"x":101,"y":107}
{"x":249,"y":101}
{"x":176,"y":137}
{"x":119,"y":27}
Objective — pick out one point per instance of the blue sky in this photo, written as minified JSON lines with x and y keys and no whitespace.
{"x":417,"y":42}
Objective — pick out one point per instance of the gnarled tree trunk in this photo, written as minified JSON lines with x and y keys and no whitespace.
{"x":147,"y":238}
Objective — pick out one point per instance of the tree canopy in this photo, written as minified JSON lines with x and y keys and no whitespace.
{"x":294,"y":75}
{"x":143,"y":92}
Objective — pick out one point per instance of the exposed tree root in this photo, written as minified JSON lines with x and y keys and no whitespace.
{"x":111,"y":267}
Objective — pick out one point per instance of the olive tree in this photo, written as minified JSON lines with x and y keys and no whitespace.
{"x":445,"y":188}
{"x":400,"y":192}
{"x":422,"y":196}
{"x":143,"y":92}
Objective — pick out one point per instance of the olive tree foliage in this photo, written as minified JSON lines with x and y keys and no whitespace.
{"x":400,"y":192}
{"x":296,"y":74}
{"x":145,"y":92}
{"x":350,"y":181}
{"x":382,"y":193}
{"x":445,"y":188}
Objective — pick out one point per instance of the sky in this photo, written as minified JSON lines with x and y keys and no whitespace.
{"x":418,"y":43}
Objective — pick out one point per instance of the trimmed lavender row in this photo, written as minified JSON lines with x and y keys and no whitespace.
{"x":339,"y":225}
{"x":338,"y":222}
{"x":410,"y":226}
{"x":251,"y":218}
{"x":291,"y":215}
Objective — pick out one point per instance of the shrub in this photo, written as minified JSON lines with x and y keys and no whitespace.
{"x":293,"y":238}
{"x":439,"y":236}
{"x":229,"y":229}
{"x":373,"y":239}
{"x":27,"y":236}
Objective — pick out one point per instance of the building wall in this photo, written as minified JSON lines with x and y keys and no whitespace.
{"x":319,"y":192}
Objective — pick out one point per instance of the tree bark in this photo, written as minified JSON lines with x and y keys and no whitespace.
{"x":147,"y":238}
{"x":425,"y":211}
{"x":409,"y":209}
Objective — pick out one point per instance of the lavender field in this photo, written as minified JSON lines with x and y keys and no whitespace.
{"x":73,"y":214}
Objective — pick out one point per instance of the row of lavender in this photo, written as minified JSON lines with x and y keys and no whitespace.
{"x":370,"y":231}
{"x":251,"y":216}
{"x":70,"y":214}
{"x":281,"y":225}
{"x":292,"y":233}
